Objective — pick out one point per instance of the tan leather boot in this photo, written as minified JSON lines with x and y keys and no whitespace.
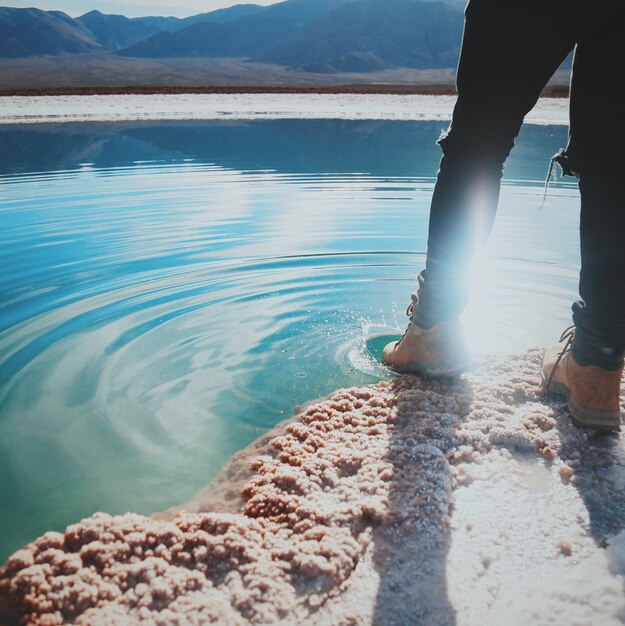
{"x":437,"y":352}
{"x":593,"y":393}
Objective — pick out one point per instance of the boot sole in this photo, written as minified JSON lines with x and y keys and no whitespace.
{"x":598,"y":419}
{"x":433,"y":371}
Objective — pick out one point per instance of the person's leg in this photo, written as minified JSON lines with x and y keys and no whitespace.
{"x":589,"y":374}
{"x":509,"y":52}
{"x":596,"y":153}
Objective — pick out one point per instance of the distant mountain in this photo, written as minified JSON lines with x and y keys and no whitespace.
{"x":373,"y":35}
{"x":221,"y":15}
{"x":325,"y":36}
{"x":31,"y":32}
{"x":248,"y":35}
{"x":322,"y":36}
{"x":117,"y":31}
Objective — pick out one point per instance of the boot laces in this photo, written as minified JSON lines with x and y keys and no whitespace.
{"x":567,"y":337}
{"x":410,"y":315}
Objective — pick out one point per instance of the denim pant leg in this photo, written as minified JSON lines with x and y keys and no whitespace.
{"x":509,"y":52}
{"x":596,"y":153}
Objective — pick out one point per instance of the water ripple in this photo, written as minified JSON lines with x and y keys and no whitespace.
{"x":156,"y":317}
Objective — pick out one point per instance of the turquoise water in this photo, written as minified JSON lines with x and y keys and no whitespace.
{"x":170,"y":291}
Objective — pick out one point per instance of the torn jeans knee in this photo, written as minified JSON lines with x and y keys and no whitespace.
{"x":606,"y":162}
{"x":605,"y":156}
{"x":562,"y":159}
{"x":476,"y":148}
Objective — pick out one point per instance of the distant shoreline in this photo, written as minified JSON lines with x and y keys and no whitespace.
{"x":551,"y":91}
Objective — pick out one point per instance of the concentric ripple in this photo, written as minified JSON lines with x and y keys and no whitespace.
{"x":163,"y":304}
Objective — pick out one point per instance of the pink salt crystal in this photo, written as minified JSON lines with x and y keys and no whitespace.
{"x":565,"y":548}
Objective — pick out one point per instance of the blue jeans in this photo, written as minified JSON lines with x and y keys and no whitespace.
{"x":510,"y":50}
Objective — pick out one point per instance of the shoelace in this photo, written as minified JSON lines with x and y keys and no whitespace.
{"x":409,"y":314}
{"x":569,"y":336}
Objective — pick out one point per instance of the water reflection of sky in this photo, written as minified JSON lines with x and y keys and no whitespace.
{"x":172,"y":290}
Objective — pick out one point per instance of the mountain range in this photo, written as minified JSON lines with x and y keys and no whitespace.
{"x":319,"y":36}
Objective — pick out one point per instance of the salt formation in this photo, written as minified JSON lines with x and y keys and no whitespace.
{"x":406,"y":502}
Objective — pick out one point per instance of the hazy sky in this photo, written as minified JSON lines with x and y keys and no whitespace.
{"x":132,"y":8}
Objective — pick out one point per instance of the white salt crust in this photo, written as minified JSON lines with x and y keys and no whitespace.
{"x":408,"y":502}
{"x":117,"y":108}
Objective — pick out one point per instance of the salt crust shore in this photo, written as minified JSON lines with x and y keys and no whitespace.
{"x":408,"y":502}
{"x":113,"y":108}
